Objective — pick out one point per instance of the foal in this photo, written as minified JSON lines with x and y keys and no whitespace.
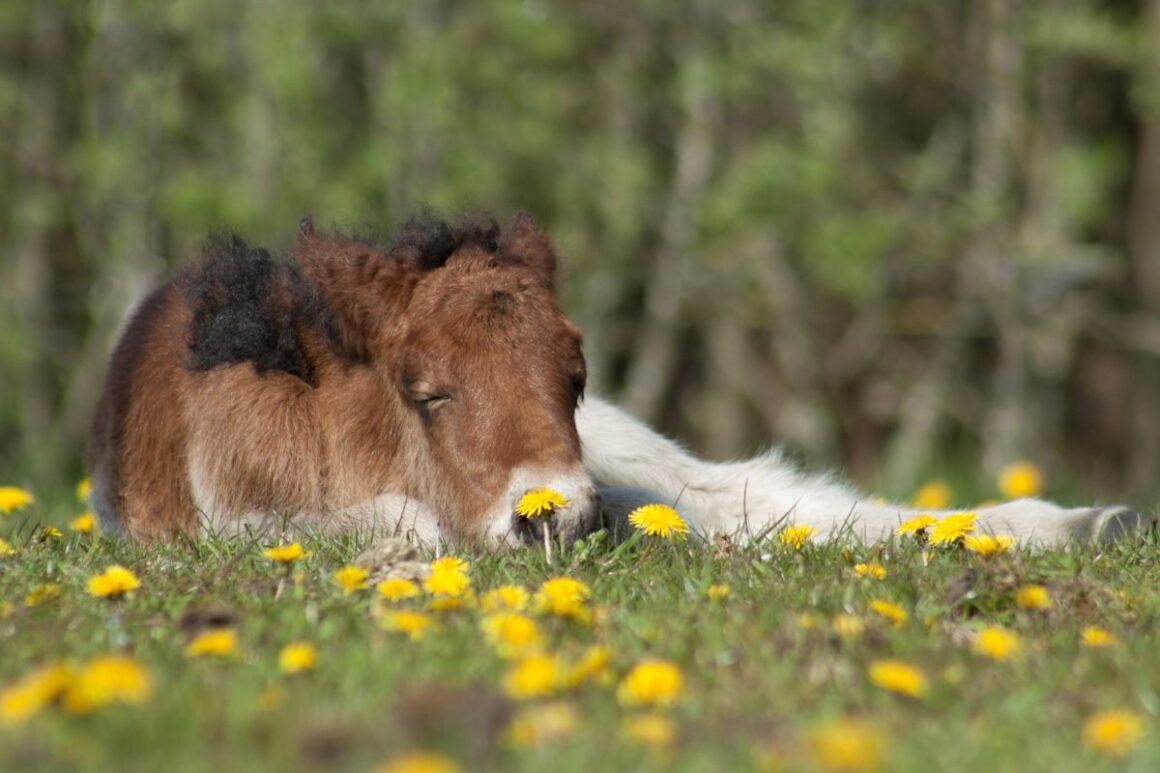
{"x":420,"y":389}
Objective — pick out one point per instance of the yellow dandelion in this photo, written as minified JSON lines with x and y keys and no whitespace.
{"x":286,"y":554}
{"x":448,"y":577}
{"x":6,"y":548}
{"x":889,"y":610}
{"x":297,"y":657}
{"x":397,"y":588}
{"x":533,"y":676}
{"x":540,"y":501}
{"x":419,"y":762}
{"x":22,"y":700}
{"x":107,"y":680}
{"x":84,"y":523}
{"x":542,"y":725}
{"x":847,"y":744}
{"x":651,"y":729}
{"x":997,"y":643}
{"x":1034,"y":597}
{"x":1020,"y":479}
{"x":717,"y":591}
{"x":935,"y":495}
{"x":899,"y":677}
{"x":987,"y":545}
{"x":796,"y":536}
{"x":351,"y":578}
{"x":12,"y":498}
{"x":916,"y":526}
{"x":1094,"y":636}
{"x":217,"y":642}
{"x":651,"y":683}
{"x":659,"y":521}
{"x":848,"y":627}
{"x":952,"y":528}
{"x":593,"y":666}
{"x":413,"y":624}
{"x":84,"y":490}
{"x":512,"y":634}
{"x":42,"y":593}
{"x":1113,"y":732}
{"x":451,"y":603}
{"x":872,"y":571}
{"x":510,"y":597}
{"x":564,"y":597}
{"x":114,"y":582}
{"x":50,"y":532}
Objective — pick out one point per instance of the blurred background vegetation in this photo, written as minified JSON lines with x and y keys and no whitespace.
{"x":886,"y":234}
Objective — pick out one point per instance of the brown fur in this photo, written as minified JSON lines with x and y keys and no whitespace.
{"x":389,"y":329}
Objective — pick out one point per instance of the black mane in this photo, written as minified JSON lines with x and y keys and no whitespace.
{"x":250,"y":307}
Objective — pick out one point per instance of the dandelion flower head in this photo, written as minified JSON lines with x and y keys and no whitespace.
{"x":114,"y":582}
{"x":935,"y":495}
{"x":987,"y":545}
{"x":84,"y":523}
{"x":899,"y":677}
{"x":297,"y":657}
{"x":218,"y":642}
{"x":107,"y":680}
{"x":651,"y":683}
{"x":12,"y":498}
{"x":997,"y":643}
{"x":448,"y":577}
{"x":1113,"y":732}
{"x":510,"y":597}
{"x":915,"y":525}
{"x":351,"y":578}
{"x":285,"y":554}
{"x":1096,"y":637}
{"x":872,"y":571}
{"x":659,"y":521}
{"x":952,"y":528}
{"x":1034,"y":597}
{"x":397,"y":588}
{"x":540,"y":502}
{"x":564,"y":597}
{"x":532,"y":676}
{"x":1020,"y":479}
{"x":796,"y":536}
{"x":512,"y":634}
{"x":889,"y":610}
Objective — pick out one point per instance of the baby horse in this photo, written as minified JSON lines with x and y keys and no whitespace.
{"x":420,"y":388}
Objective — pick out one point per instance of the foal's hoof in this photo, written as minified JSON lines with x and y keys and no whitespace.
{"x":1119,"y":523}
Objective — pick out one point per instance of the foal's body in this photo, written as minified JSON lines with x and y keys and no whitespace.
{"x":419,"y":390}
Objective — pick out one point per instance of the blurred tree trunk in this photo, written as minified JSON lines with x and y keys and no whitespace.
{"x":38,"y":133}
{"x":1144,"y":247}
{"x":654,"y":357}
{"x":992,"y":260}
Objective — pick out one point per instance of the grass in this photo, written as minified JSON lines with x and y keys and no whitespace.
{"x":762,"y":682}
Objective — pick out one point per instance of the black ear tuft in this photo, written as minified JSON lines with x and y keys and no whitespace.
{"x":306,"y":227}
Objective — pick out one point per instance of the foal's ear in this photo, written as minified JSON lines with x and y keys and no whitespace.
{"x":525,"y":243}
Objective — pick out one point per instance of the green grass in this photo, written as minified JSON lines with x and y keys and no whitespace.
{"x":756,"y":680}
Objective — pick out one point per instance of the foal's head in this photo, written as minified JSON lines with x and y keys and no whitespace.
{"x":487,"y":372}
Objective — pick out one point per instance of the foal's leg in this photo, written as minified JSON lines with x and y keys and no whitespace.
{"x":635,"y":465}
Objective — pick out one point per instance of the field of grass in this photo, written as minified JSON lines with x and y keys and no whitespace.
{"x":780,"y":664}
